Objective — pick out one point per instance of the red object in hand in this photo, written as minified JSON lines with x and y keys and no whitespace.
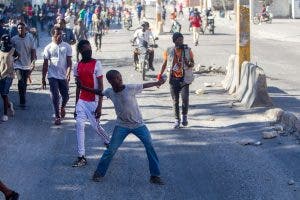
{"x":159,"y":77}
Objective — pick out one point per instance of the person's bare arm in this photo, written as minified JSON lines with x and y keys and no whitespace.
{"x":162,"y":70}
{"x":153,"y":84}
{"x":77,"y":94}
{"x":44,"y":73}
{"x":33,"y":59}
{"x":98,"y":110}
{"x":69,"y":67}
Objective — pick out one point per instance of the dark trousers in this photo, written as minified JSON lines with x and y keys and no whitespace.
{"x":22,"y":76}
{"x":58,"y":86}
{"x":98,"y":40}
{"x":177,"y":88}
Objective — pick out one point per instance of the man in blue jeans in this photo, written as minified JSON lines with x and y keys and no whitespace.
{"x":129,"y":120}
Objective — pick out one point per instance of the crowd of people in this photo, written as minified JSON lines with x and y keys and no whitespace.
{"x":71,"y":29}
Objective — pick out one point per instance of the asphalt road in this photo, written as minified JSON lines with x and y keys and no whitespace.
{"x":201,"y":162}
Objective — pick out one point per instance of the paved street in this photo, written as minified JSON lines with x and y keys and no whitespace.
{"x":200,"y":162}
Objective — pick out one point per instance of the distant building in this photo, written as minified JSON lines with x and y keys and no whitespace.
{"x":295,"y":9}
{"x":279,"y":8}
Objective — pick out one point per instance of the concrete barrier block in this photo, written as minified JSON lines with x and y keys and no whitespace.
{"x":226,"y":83}
{"x":244,"y":83}
{"x":235,"y":79}
{"x":257,"y":94}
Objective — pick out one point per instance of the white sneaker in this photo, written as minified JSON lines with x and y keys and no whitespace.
{"x":176,"y":125}
{"x":4,"y":118}
{"x":11,"y":110}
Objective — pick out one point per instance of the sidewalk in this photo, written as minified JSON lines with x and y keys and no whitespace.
{"x":286,"y":30}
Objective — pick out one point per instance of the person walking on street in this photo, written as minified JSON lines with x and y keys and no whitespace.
{"x":70,"y":19}
{"x":24,"y":65}
{"x":8,"y":193}
{"x":88,"y":73}
{"x":180,"y":8}
{"x":98,"y":26}
{"x":179,"y":61}
{"x":88,"y":20}
{"x":2,"y":27}
{"x":80,"y":33}
{"x":196,"y":25}
{"x":57,"y":64}
{"x":139,"y":9}
{"x":67,"y":34}
{"x":7,"y":55}
{"x":129,"y":120}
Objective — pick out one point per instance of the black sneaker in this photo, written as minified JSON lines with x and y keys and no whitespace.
{"x":80,"y":162}
{"x":151,"y":68}
{"x":13,"y":196}
{"x":97,"y":177}
{"x":106,"y":145}
{"x":156,"y":180}
{"x":184,"y":120}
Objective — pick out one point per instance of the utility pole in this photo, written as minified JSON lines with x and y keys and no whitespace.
{"x":293,"y":9}
{"x":242,"y":32}
{"x":159,"y":25}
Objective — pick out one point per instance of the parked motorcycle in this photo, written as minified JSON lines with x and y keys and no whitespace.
{"x":258,"y":19}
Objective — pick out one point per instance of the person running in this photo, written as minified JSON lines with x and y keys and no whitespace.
{"x":24,"y":65}
{"x":129,"y":120}
{"x":8,"y":193}
{"x":178,"y":59}
{"x":80,"y":33}
{"x":88,"y":106}
{"x":57,"y":64}
{"x":7,"y":55}
{"x":98,"y":26}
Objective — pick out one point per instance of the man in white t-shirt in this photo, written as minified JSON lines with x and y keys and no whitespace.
{"x":142,"y":38}
{"x":70,"y":20}
{"x":58,"y":64}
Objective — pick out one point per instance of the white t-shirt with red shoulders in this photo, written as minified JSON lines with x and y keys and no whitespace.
{"x":88,"y":74}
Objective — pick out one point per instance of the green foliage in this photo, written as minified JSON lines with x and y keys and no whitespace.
{"x":129,"y":2}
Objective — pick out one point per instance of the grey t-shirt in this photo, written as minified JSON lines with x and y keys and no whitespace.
{"x":57,"y":57}
{"x":126,"y":106}
{"x":23,"y":46}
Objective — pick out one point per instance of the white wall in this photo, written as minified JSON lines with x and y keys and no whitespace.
{"x":297,"y":9}
{"x":279,"y":8}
